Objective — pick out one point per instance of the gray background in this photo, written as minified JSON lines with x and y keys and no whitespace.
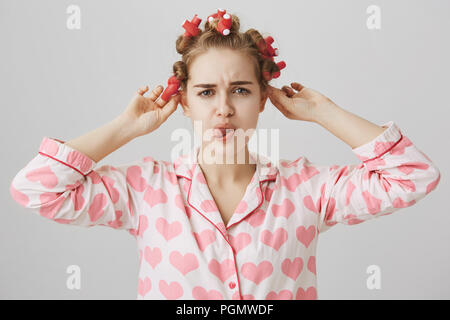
{"x":63,"y":83}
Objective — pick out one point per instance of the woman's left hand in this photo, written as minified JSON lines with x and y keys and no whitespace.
{"x":301,"y":104}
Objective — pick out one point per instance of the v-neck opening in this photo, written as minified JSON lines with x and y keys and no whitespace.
{"x":200,"y":198}
{"x":253,"y":181}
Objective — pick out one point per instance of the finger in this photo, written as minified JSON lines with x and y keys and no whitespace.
{"x":142,"y":90}
{"x":288,"y":90}
{"x":278,"y":97}
{"x":297,"y":86}
{"x":279,"y":100}
{"x":170,"y":107}
{"x":154,"y":94}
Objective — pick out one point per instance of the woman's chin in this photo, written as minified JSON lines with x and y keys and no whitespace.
{"x":224,"y":152}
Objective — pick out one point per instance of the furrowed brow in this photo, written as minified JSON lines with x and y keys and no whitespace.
{"x":212,"y":85}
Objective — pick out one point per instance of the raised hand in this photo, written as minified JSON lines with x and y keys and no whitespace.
{"x":297,"y":102}
{"x":146,"y":114}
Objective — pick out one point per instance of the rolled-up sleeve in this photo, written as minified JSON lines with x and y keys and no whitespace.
{"x":64,"y":185}
{"x":393,"y":174}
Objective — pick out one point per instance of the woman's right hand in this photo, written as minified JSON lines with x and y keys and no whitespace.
{"x":146,"y":114}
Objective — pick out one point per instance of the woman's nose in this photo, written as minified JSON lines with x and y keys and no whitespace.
{"x":226,"y":113}
{"x":225,"y":109}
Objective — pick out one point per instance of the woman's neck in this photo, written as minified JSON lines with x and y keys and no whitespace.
{"x":228,"y":172}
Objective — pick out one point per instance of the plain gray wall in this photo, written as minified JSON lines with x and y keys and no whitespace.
{"x":63,"y":83}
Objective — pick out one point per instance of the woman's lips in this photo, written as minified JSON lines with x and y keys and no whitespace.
{"x":223,"y":134}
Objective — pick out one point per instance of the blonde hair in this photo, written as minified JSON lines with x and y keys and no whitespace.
{"x":245,"y":42}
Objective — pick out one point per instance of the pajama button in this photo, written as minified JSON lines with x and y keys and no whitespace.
{"x":232,"y":285}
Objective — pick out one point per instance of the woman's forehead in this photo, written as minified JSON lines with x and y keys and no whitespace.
{"x":218,"y":67}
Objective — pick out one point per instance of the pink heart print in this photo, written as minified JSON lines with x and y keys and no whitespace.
{"x":236,"y":296}
{"x":77,"y":196}
{"x":51,"y":206}
{"x":382,"y":147}
{"x":44,"y":175}
{"x":399,"y":203}
{"x":183,"y":263}
{"x":283,"y":210}
{"x":275,"y":239}
{"x":200,"y":293}
{"x":134,"y":178}
{"x":222,"y":270}
{"x":168,"y":230}
{"x":312,"y":264}
{"x":404,"y":183}
{"x":373,"y":203}
{"x":282,"y":295}
{"x":96,"y":208}
{"x":113,"y":192}
{"x":49,"y":147}
{"x":208,"y":206}
{"x":432,"y":185}
{"x":292,"y":182}
{"x":179,"y":202}
{"x":242,"y":206}
{"x":221,"y":227}
{"x":148,"y":159}
{"x":309,"y":294}
{"x":188,"y":211}
{"x":268,"y":193}
{"x":308,"y":172}
{"x":154,"y":196}
{"x":293,"y":268}
{"x":204,"y":238}
{"x":94,"y":176}
{"x":258,"y":273}
{"x":171,"y":291}
{"x":18,"y":196}
{"x":259,"y":194}
{"x":351,"y":219}
{"x":143,"y":225}
{"x":152,"y":256}
{"x":348,"y":193}
{"x":201,"y":178}
{"x":239,"y":242}
{"x":306,"y":236}
{"x":144,"y":286}
{"x":293,"y":163}
{"x":77,"y":160}
{"x":309,"y":202}
{"x":171,"y":177}
{"x":116,"y":223}
{"x":256,"y":218}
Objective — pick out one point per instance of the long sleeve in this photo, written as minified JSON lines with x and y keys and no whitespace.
{"x":393,"y":174}
{"x":60,"y":184}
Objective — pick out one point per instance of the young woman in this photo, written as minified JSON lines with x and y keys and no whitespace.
{"x":225,"y":231}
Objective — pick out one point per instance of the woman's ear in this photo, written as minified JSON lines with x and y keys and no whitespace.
{"x":264,"y":97}
{"x":184,"y":105}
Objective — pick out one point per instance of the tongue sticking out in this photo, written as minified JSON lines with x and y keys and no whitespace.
{"x":221,"y":132}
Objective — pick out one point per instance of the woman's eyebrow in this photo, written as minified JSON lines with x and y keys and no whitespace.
{"x":212,"y":85}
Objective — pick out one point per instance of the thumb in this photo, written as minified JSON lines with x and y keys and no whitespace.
{"x":170,"y":107}
{"x":278,"y":97}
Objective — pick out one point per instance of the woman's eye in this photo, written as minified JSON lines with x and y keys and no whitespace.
{"x":201,"y":93}
{"x":245,"y":92}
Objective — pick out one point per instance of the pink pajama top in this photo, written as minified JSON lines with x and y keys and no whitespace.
{"x":266,"y":251}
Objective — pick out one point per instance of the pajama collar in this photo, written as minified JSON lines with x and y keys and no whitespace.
{"x":199,"y":196}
